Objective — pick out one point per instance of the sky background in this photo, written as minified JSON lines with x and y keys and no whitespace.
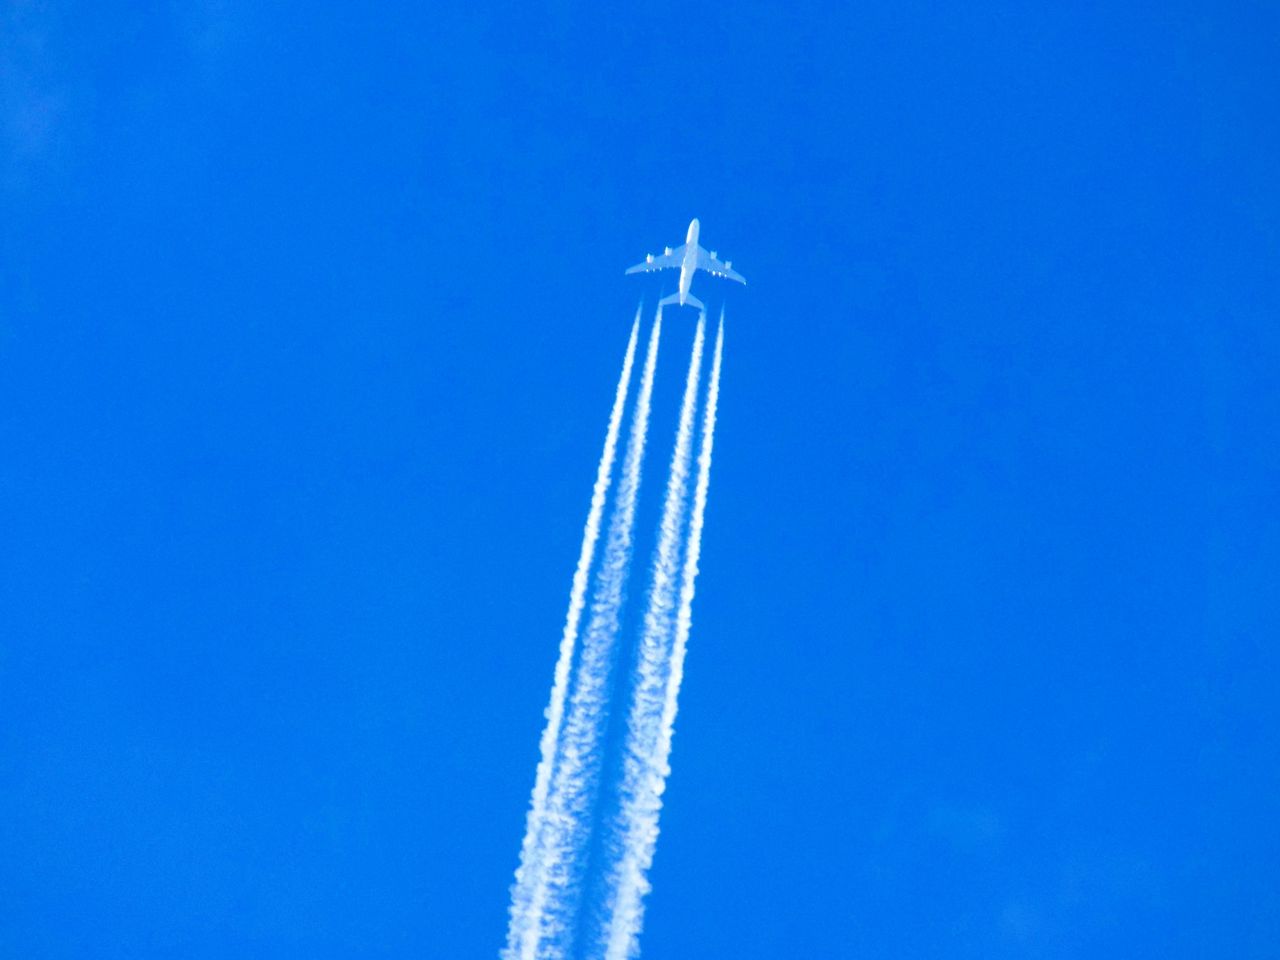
{"x":310,"y":318}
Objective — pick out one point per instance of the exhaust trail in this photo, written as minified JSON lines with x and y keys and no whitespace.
{"x":653,"y":657}
{"x":642,"y":807}
{"x":521,"y":893}
{"x":552,"y":901}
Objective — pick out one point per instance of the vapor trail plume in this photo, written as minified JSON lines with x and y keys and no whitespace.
{"x":520,"y":891}
{"x":573,"y":783}
{"x":643,"y":806}
{"x":653,"y":657}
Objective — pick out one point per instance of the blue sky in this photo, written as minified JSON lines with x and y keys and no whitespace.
{"x":309,"y":324}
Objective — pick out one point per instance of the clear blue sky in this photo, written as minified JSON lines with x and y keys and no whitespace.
{"x":309,"y":323}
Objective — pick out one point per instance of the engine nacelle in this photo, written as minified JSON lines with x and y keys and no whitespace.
{"x":714,"y":254}
{"x":648,"y":258}
{"x":728,"y":264}
{"x":666,"y":251}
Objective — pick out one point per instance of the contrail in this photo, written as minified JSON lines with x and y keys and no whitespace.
{"x":653,"y":658}
{"x":643,"y":796}
{"x":545,"y":931}
{"x":520,"y":891}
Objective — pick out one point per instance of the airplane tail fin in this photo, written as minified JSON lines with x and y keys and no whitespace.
{"x":689,"y":299}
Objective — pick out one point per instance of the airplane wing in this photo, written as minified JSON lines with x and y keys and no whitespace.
{"x":717,"y":269}
{"x":660,"y":262}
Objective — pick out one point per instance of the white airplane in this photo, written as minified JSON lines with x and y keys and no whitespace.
{"x":689,"y":257}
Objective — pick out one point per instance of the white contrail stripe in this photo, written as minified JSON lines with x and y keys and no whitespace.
{"x":653,"y":657}
{"x":519,"y":918}
{"x":628,"y":904}
{"x":574,"y":777}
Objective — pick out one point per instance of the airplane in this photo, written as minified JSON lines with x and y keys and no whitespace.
{"x":689,"y":257}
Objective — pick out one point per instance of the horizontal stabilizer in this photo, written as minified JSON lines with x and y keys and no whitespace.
{"x":689,"y":300}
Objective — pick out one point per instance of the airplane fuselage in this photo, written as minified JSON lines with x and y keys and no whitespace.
{"x":690,"y":263}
